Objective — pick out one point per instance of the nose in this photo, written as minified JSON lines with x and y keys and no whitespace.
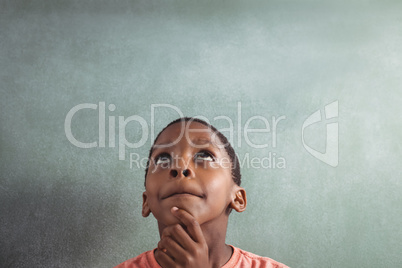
{"x":175,"y":173}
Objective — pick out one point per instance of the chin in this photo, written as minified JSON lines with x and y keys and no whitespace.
{"x":169,"y":219}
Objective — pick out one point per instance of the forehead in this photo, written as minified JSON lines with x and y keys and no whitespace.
{"x":190,"y":132}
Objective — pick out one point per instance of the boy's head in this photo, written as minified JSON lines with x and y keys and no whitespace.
{"x":192,"y":166}
{"x":234,"y":161}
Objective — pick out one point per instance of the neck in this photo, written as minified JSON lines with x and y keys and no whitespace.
{"x":215,"y":236}
{"x":219,"y":252}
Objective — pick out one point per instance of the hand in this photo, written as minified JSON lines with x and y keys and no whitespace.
{"x":182,"y":248}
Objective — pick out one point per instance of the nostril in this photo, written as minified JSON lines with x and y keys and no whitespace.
{"x":186,"y":172}
{"x":174,"y":173}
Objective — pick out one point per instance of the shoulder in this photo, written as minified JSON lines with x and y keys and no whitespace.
{"x":144,"y":260}
{"x":242,"y":258}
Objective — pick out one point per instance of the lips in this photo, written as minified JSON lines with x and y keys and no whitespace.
{"x":182,"y":190}
{"x":181,"y":194}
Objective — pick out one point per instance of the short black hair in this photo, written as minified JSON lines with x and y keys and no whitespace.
{"x":236,"y":176}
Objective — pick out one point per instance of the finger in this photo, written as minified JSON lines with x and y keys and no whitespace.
{"x":179,"y":235}
{"x":193,"y":227}
{"x":163,"y":248}
{"x":163,"y":259}
{"x":171,"y":247}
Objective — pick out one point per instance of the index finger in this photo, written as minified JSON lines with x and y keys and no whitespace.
{"x":193,"y":227}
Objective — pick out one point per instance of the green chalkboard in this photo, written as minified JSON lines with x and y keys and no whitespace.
{"x":308,"y":92}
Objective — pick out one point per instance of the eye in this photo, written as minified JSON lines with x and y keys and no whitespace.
{"x":204,"y":156}
{"x":163,"y":159}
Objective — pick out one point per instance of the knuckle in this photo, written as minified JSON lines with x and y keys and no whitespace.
{"x":164,"y":241}
{"x":168,"y":241}
{"x":176,"y":228}
{"x":194,"y":223}
{"x":165,"y":232}
{"x":160,"y":244}
{"x":189,"y":260}
{"x":199,"y":252}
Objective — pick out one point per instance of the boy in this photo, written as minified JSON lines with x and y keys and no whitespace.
{"x":192,"y":183}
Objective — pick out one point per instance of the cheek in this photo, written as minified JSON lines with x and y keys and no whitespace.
{"x":152,"y":188}
{"x":155,"y":171}
{"x":218,"y":185}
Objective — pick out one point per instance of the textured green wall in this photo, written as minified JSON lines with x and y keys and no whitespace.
{"x":64,"y":206}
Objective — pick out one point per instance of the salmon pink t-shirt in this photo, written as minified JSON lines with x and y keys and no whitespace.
{"x":239,"y":259}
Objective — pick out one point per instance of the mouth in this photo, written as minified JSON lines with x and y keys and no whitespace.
{"x":182,"y":194}
{"x":180,"y":189}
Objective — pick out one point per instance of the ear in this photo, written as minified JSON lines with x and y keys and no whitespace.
{"x":145,"y":208}
{"x":239,"y":201}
